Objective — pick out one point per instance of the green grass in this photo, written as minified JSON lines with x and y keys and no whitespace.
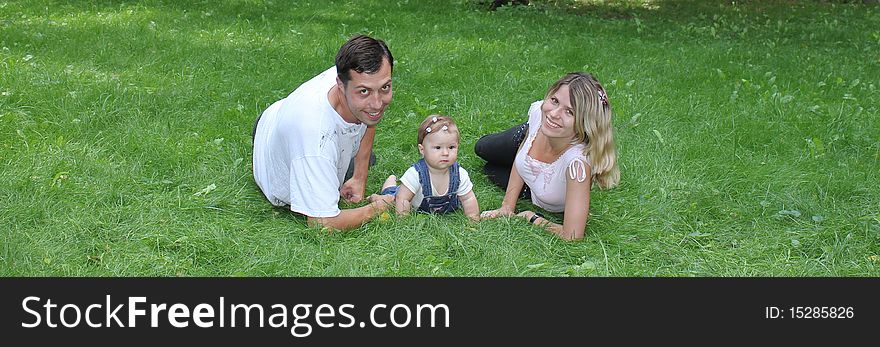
{"x":748,"y":136}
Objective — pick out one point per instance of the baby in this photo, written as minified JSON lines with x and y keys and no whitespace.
{"x":436,"y":183}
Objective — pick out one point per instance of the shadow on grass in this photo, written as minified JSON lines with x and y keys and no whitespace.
{"x":669,"y":9}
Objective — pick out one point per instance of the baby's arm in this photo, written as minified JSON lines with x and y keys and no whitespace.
{"x":469,"y":205}
{"x":403,"y":201}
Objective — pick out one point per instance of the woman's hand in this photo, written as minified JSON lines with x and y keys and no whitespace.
{"x":501,"y":212}
{"x":526,"y":214}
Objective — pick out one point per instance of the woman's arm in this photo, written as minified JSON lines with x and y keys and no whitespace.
{"x":577,"y":210}
{"x":514,"y":188}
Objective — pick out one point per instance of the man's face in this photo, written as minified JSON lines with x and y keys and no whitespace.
{"x":440,"y":149}
{"x":367,"y":95}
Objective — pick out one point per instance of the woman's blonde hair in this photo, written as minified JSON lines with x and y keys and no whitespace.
{"x":592,"y":125}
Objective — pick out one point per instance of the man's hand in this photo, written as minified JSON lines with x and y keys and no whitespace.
{"x":381,"y":202}
{"x":388,"y":199}
{"x":353,"y":190}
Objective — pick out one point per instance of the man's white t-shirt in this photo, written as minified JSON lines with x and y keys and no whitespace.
{"x":302,"y":149}
{"x":410,"y":179}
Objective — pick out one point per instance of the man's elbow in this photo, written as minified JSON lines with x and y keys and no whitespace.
{"x":333,"y":223}
{"x":314,"y":222}
{"x":318,"y":222}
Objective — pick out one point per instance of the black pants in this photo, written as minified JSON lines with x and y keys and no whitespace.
{"x":350,"y":171}
{"x":499,"y":151}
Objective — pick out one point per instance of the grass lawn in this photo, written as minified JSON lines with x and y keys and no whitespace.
{"x":748,"y":134}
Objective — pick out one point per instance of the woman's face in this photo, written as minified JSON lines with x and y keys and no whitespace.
{"x":557,"y":115}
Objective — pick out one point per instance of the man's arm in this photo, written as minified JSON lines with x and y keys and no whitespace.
{"x":353,"y":189}
{"x":355,"y":217}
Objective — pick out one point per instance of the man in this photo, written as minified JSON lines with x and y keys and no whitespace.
{"x":305,"y":143}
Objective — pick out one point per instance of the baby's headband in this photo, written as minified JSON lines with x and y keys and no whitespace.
{"x":434,"y":120}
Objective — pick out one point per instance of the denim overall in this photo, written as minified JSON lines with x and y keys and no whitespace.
{"x":443,"y":203}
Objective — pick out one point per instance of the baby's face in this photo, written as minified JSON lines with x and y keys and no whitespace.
{"x":440,"y":149}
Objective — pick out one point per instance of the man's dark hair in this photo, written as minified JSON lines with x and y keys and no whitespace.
{"x":362,"y":54}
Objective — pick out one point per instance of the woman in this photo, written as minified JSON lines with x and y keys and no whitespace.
{"x":567,"y":143}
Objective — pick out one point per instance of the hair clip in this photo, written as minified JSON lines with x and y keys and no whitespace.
{"x":428,"y":129}
{"x":434,"y":120}
{"x":602,"y":97}
{"x":444,"y":128}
